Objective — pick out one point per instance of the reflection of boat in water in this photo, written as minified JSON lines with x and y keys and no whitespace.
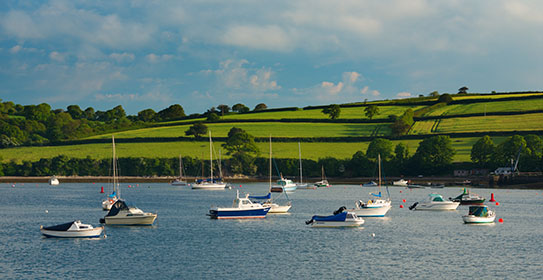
{"x":467,"y":198}
{"x":74,"y":229}
{"x":242,"y":208}
{"x":123,"y":215}
{"x":340,"y":218}
{"x":53,"y":181}
{"x":479,"y":214}
{"x":435,"y":202}
{"x":376,"y":207}
{"x":211,"y":183}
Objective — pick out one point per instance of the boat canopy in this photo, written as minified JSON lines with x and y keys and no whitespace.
{"x":334,"y":218}
{"x":117,"y":207}
{"x":268,"y":196}
{"x":114,"y":194}
{"x":478,"y":211}
{"x":436,"y":197}
{"x":209,"y":180}
{"x":61,"y":227}
{"x":376,"y":195}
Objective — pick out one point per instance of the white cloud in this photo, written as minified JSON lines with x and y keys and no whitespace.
{"x":154,"y":58}
{"x":15,"y":49}
{"x":403,"y":95}
{"x":130,"y":97}
{"x":122,"y":57}
{"x":235,"y":75}
{"x":270,"y":37}
{"x":56,"y":56}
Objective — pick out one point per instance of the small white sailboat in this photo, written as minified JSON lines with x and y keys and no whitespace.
{"x":435,"y":202}
{"x":323,"y":183}
{"x":180,"y":181}
{"x":123,"y":215}
{"x":400,"y":182}
{"x":53,"y":181}
{"x":211,"y":183}
{"x":301,"y":184}
{"x":340,"y":218}
{"x":377,"y":207}
{"x":242,"y":208}
{"x":479,"y":214}
{"x":74,"y":229}
{"x":112,"y":198}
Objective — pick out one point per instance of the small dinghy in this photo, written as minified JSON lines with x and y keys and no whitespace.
{"x":340,"y":218}
{"x":74,"y":229}
{"x":479,"y":214}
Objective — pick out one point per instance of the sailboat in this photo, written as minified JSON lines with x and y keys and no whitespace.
{"x":112,"y":198}
{"x":377,"y":207}
{"x":179,"y":181}
{"x":268,"y":199}
{"x":211,"y":183}
{"x":322,"y":183}
{"x":301,"y":184}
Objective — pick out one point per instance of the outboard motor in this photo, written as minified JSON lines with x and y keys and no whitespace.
{"x":413,"y":206}
{"x":341,"y":209}
{"x":309,"y":222}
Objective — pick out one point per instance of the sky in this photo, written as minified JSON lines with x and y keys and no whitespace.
{"x":145,"y":54}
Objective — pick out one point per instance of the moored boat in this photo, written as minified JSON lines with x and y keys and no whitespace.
{"x":180,"y":181}
{"x":323,"y":183}
{"x":284,"y":185}
{"x":467,"y":198}
{"x":112,"y":198}
{"x":376,"y":207}
{"x":242,"y":208}
{"x":211,"y":183}
{"x":479,"y":214}
{"x":123,"y":215}
{"x":74,"y":229}
{"x":400,"y":182}
{"x":435,"y":202}
{"x":370,"y":184}
{"x":53,"y":181}
{"x":340,"y":218}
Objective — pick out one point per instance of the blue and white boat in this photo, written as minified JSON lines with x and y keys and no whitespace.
{"x":242,"y":208}
{"x":479,"y":214}
{"x":74,"y":229}
{"x":284,"y":185}
{"x":378,"y":206}
{"x":340,"y":218}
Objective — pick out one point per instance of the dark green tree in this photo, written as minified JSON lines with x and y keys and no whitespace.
{"x":482,"y":151}
{"x":147,"y":115}
{"x":240,"y":108}
{"x":242,"y":148}
{"x":213,"y":117}
{"x":197,"y":129}
{"x":445,"y":98}
{"x":224,"y":109}
{"x":333,"y":111}
{"x":371,"y":111}
{"x":434,"y":155}
{"x":75,"y":111}
{"x":173,"y":112}
{"x":463,"y":90}
{"x":402,"y":124}
{"x":379,"y":146}
{"x":260,"y":107}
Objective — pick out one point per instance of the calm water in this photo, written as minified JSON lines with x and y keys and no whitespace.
{"x":186,"y":244}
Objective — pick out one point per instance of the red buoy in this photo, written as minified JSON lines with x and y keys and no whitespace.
{"x":497,"y":203}
{"x":401,"y":206}
{"x":400,"y":191}
{"x":403,"y":200}
{"x":492,"y":197}
{"x":102,"y":190}
{"x":500,"y":220}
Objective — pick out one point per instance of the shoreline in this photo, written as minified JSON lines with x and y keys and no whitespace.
{"x":478,"y":182}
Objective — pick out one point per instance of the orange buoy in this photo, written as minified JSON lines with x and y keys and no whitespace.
{"x":102,"y":190}
{"x":500,"y":220}
{"x":401,"y":206}
{"x":497,"y":203}
{"x":492,"y":197}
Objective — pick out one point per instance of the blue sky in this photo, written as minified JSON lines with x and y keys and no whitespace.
{"x":151,"y":54}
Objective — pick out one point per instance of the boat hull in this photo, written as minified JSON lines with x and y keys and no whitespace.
{"x":213,"y":186}
{"x":447,"y":206}
{"x":146,"y":219}
{"x":86,"y":233}
{"x":233,"y":213}
{"x":334,"y":224}
{"x":278,"y":209}
{"x":179,"y":183}
{"x":371,"y":211}
{"x":473,"y":202}
{"x":471,"y":219}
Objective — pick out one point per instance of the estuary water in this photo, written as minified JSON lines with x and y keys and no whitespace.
{"x":186,"y":244}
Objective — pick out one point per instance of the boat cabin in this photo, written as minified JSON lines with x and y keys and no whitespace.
{"x":478,"y":211}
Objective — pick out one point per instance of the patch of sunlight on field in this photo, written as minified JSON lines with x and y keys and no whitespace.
{"x":492,"y":123}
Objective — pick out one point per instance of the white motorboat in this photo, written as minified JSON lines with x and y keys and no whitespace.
{"x":479,"y":214}
{"x":53,"y":181}
{"x":74,"y":229}
{"x":242,"y":208}
{"x":376,"y":207}
{"x":180,"y":181}
{"x":211,"y":183}
{"x":435,"y":202}
{"x":340,"y":218}
{"x":113,"y":197}
{"x":121,"y":214}
{"x":400,"y":182}
{"x":284,"y":185}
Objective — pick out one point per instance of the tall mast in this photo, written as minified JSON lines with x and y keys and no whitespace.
{"x":210,"y":156}
{"x":114,"y":167}
{"x":300,"y":157}
{"x":379,"y":164}
{"x":270,"y":164}
{"x":180,"y":168}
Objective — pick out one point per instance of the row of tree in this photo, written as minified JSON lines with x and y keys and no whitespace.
{"x":526,"y":150}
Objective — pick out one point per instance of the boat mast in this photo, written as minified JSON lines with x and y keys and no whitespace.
{"x":300,"y":157}
{"x":270,"y":165}
{"x":210,"y":156}
{"x":379,"y":164}
{"x":180,"y":168}
{"x":114,"y":162}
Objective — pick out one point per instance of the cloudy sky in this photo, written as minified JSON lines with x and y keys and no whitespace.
{"x":150,"y":54}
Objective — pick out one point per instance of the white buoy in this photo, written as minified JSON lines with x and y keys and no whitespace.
{"x":373,"y":235}
{"x":46,"y":211}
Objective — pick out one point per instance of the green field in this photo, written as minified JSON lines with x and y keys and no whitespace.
{"x":265,"y":129}
{"x":493,"y":96}
{"x":312,"y":151}
{"x":489,"y":107}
